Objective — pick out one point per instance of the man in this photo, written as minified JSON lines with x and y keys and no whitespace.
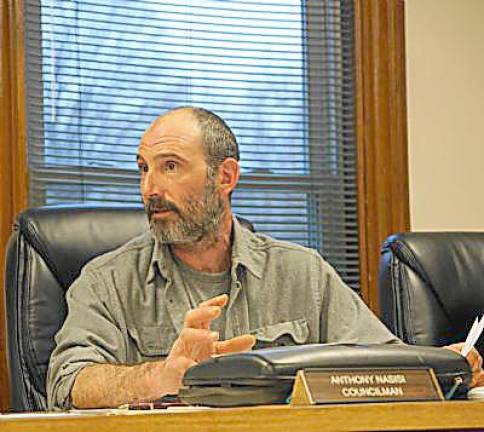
{"x":198,"y":284}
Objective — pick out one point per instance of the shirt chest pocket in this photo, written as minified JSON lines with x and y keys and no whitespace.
{"x":282,"y":334}
{"x":152,"y":341}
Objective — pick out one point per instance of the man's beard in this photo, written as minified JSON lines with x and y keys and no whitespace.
{"x":198,"y":221}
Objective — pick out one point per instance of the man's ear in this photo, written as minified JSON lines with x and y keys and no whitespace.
{"x":228,"y":175}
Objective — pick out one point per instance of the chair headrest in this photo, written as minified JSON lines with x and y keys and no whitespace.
{"x":67,"y":237}
{"x":450,"y":263}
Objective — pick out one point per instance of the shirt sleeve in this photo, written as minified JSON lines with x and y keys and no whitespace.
{"x":90,"y":335}
{"x":345,"y":318}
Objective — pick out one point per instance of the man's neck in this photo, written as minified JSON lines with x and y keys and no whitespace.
{"x":212,"y":256}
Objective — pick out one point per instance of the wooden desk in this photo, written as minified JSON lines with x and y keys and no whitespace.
{"x":456,"y":415}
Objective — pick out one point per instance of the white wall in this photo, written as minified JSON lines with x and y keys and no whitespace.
{"x":445,"y":85}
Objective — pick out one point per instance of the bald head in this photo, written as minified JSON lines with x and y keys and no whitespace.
{"x":217,"y":139}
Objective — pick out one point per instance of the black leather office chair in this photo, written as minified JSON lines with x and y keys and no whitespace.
{"x":432,"y":286}
{"x":46,"y":252}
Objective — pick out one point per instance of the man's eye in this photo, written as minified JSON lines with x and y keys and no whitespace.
{"x":170,"y":166}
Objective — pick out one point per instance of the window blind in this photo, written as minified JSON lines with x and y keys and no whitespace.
{"x":280,"y":72}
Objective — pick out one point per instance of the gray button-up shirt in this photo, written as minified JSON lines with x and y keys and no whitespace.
{"x":128,"y":306}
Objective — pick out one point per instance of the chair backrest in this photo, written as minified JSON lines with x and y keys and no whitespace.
{"x":432,"y":286}
{"x":46,"y":252}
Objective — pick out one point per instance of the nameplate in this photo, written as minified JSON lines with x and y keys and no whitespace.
{"x":321,"y":386}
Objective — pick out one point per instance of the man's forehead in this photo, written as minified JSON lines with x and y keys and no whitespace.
{"x":179,"y":127}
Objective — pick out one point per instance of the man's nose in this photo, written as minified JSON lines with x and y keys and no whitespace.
{"x":151,"y":185}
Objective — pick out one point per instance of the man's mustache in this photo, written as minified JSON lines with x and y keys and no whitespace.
{"x":156,"y":204}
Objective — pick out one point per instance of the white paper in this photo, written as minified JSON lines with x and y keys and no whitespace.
{"x":473,"y":336}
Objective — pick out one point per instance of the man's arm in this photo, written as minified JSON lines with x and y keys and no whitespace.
{"x":92,"y":334}
{"x":106,"y":385}
{"x":345,"y":318}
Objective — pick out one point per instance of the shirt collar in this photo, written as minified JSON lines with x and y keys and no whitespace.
{"x":245,"y":252}
{"x":159,"y":260}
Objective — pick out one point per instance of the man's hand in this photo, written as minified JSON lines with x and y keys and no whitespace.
{"x":475,"y":360}
{"x":197,"y":342}
{"x":106,"y":385}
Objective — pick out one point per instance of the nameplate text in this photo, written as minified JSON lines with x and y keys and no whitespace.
{"x":318,"y":386}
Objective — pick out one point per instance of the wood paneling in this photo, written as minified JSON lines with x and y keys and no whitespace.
{"x":13,"y":173}
{"x":383,"y":202}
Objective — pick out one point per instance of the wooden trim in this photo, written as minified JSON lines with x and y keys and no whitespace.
{"x":383,"y":206}
{"x":13,"y":177}
{"x":357,"y":417}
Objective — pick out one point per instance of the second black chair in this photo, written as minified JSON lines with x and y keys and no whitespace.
{"x":432,"y":286}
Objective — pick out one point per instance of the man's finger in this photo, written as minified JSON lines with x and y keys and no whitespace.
{"x":475,"y":358}
{"x":201,"y":317}
{"x":196,"y":344}
{"x":478,"y":379}
{"x":220,"y":300}
{"x":234,"y":345}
